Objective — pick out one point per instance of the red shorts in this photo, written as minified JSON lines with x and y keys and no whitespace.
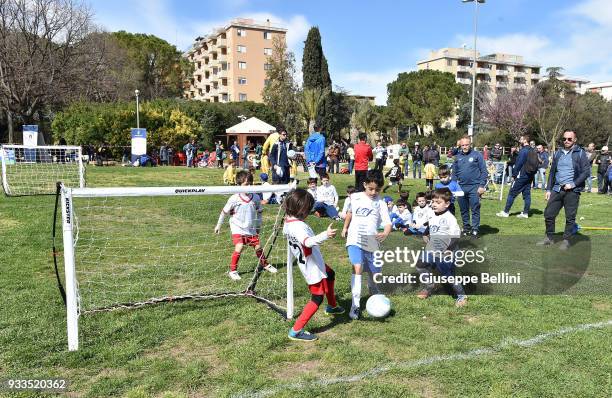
{"x":249,"y":240}
{"x":321,"y":287}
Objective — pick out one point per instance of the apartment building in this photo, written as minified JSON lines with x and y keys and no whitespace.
{"x":604,"y":89}
{"x":500,"y":71}
{"x":230,"y":63}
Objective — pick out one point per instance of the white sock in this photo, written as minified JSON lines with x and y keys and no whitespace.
{"x":356,"y":289}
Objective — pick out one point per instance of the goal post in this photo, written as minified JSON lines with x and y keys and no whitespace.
{"x":130,"y":247}
{"x":35,"y":170}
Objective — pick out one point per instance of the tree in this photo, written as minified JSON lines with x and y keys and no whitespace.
{"x":552,"y":110}
{"x":592,"y":119}
{"x":44,"y":57}
{"x":509,"y":111}
{"x":554,"y":72}
{"x":341,"y":109}
{"x":162,"y":67}
{"x":366,"y":117}
{"x":280,"y":94}
{"x":310,"y":103}
{"x":315,"y":75}
{"x":427,"y":96}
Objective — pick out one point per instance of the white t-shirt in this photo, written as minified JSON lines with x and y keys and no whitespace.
{"x":345,"y":207}
{"x":327,"y":195}
{"x":378,"y":152}
{"x":442,"y":229}
{"x":266,"y":195}
{"x":304,"y":246}
{"x":367,"y":214}
{"x":245,"y":211}
{"x":421,"y":215}
{"x":313,"y":192}
{"x":405,"y":215}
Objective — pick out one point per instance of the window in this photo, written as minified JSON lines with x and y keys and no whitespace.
{"x":242,"y":80}
{"x":267,"y":66}
{"x":241,"y":32}
{"x":449,"y":62}
{"x":242,"y":97}
{"x":266,"y":82}
{"x":267,"y":35}
{"x":267,"y":51}
{"x":241,"y":49}
{"x":241,"y":65}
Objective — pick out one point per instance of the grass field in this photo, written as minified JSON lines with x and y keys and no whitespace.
{"x":523,"y":345}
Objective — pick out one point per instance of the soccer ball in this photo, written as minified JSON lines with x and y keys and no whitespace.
{"x":291,"y":154}
{"x":378,"y":306}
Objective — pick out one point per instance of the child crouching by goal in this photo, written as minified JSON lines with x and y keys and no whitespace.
{"x":304,"y":246}
{"x":245,"y":221}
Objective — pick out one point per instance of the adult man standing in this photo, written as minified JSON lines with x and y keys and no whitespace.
{"x":591,"y":154}
{"x":496,"y":153}
{"x":334,"y":159}
{"x":350,"y":152}
{"x":190,"y":150}
{"x":279,"y":159}
{"x":417,"y":160}
{"x":378,"y":155}
{"x":363,"y":156}
{"x":404,"y":154}
{"x":568,"y":173}
{"x":470,"y":171}
{"x":524,"y":170}
{"x":543,"y":160}
{"x":315,"y":150}
{"x":163,"y":155}
{"x":235,"y":150}
{"x":603,"y":161}
{"x":245,"y":155}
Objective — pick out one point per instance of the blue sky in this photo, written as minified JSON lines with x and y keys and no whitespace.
{"x":368,"y":42}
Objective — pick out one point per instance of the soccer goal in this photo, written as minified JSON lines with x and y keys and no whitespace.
{"x":36,"y":170}
{"x":496,"y":180}
{"x":126,"y":248}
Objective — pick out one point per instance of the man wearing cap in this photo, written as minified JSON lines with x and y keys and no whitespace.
{"x":417,"y":159}
{"x":603,"y":161}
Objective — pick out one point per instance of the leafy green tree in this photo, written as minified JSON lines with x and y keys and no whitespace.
{"x":553,"y":110}
{"x":427,"y":97}
{"x":315,"y":74}
{"x":592,"y":119}
{"x":311,"y":100}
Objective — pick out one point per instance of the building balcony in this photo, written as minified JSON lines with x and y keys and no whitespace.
{"x":501,"y":84}
{"x":221,"y":42}
{"x":521,"y":86}
{"x":464,"y":68}
{"x":519,"y":74}
{"x":486,"y":71}
{"x":501,"y":72}
{"x":535,"y":76}
{"x":463,"y":80}
{"x":223,"y":89}
{"x":222,"y":73}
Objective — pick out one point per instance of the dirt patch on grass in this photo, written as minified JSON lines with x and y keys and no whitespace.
{"x":189,"y":349}
{"x":8,"y":223}
{"x":424,"y":387}
{"x":297,"y":369}
{"x":601,"y":306}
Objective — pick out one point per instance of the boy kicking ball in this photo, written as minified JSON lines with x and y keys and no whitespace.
{"x":245,"y":220}
{"x":366,"y":212}
{"x":304,"y":246}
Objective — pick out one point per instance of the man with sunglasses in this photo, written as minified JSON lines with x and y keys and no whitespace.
{"x":568,"y":173}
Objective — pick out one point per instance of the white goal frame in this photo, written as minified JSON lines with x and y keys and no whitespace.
{"x":4,"y":148}
{"x":66,"y":206}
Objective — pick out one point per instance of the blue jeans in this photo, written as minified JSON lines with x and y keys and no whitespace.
{"x":189,"y":161}
{"x":328,"y":209}
{"x":540,"y":176}
{"x":406,"y":167}
{"x":416,"y":165}
{"x":470,"y":201}
{"x":521,"y":185}
{"x":350,"y":165}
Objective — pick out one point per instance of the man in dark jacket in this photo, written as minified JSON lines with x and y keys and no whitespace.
{"x":417,"y":160}
{"x":496,"y":153}
{"x":470,"y":171}
{"x":279,"y":159}
{"x":603,"y":161}
{"x":568,"y":173}
{"x":521,"y":181}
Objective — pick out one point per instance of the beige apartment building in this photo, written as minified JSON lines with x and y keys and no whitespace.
{"x":500,"y":71}
{"x":230,"y":63}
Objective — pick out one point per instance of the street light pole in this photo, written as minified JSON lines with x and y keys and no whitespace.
{"x":137,"y":110}
{"x":471,"y":126}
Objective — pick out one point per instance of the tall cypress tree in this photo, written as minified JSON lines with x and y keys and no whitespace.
{"x":316,"y":74}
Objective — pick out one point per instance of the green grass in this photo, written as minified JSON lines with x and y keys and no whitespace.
{"x":234,"y":346}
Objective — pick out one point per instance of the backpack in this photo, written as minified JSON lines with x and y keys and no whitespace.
{"x":532,"y":163}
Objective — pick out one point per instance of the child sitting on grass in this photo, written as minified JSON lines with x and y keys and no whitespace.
{"x":245,"y":221}
{"x":421,"y":214}
{"x":444,"y":233}
{"x":326,"y":200}
{"x":402,"y":218}
{"x":304,"y":246}
{"x":312,"y":187}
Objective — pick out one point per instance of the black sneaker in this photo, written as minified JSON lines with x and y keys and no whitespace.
{"x":474,"y":234}
{"x":466,"y":232}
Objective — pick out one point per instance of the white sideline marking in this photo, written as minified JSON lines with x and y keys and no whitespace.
{"x":427,"y":361}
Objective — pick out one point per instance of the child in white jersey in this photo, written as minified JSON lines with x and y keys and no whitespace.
{"x":312,"y":187}
{"x":421,"y":213}
{"x":347,"y":202}
{"x":304,"y":247}
{"x":402,"y":217}
{"x":444,"y":233}
{"x":366,"y":212}
{"x":326,"y":201}
{"x":245,"y":221}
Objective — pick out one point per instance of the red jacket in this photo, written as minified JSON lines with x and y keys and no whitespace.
{"x":363,"y":154}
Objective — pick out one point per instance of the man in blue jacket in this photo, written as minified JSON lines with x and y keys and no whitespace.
{"x":470,"y":171}
{"x":279,"y":159}
{"x":315,"y":150}
{"x":569,"y":170}
{"x":523,"y":174}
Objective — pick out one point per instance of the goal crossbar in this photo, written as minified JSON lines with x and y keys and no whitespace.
{"x":69,"y":238}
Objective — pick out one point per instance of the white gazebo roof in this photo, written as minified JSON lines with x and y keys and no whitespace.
{"x":251,"y":126}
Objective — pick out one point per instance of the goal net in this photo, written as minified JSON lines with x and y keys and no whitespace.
{"x":132,"y":247}
{"x":496,"y":181}
{"x":36,"y":170}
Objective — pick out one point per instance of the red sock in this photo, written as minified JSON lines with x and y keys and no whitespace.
{"x":330,"y":294}
{"x":235,"y":258}
{"x":261,"y":256}
{"x":307,"y":313}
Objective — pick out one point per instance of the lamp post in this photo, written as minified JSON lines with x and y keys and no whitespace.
{"x":137,"y":110}
{"x":471,"y":126}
